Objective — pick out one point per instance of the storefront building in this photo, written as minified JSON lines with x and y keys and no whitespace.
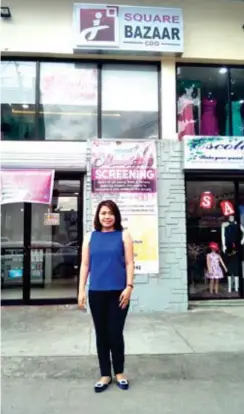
{"x":58,"y":95}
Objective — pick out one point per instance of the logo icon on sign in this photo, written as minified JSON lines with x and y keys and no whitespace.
{"x":98,"y":26}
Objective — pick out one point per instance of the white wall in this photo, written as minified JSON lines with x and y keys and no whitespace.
{"x":168,"y":100}
{"x":61,"y":156}
{"x":213,"y":28}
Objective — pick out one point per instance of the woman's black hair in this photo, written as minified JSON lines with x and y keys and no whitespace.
{"x":114,"y":210}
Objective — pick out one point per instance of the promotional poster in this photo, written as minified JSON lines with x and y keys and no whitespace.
{"x":125,"y":172}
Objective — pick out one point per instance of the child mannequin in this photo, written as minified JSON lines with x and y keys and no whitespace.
{"x":214,"y":270}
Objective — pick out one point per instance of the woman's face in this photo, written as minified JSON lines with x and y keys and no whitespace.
{"x":106,"y":218}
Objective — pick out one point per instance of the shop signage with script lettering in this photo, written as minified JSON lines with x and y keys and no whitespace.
{"x":213,"y":153}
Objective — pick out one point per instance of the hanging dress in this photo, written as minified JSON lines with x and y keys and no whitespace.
{"x":209,"y":123}
{"x":237,"y":121}
{"x":185,"y":117}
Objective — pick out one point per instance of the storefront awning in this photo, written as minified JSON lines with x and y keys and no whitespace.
{"x":57,"y":155}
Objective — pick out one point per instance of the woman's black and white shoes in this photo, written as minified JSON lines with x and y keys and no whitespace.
{"x":100,"y":386}
{"x":123,"y":384}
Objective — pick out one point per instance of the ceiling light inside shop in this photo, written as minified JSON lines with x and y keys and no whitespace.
{"x":222,"y":71}
{"x":30,"y":112}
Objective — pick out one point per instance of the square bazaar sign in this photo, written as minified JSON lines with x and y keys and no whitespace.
{"x":127,"y":28}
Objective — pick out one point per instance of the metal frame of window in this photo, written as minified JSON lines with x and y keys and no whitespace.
{"x":206,"y":66}
{"x":99,"y":64}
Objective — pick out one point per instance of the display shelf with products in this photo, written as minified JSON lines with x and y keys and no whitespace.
{"x":12,"y":267}
{"x":37,"y":266}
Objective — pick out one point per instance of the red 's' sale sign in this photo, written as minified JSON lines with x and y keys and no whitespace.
{"x":207,"y":200}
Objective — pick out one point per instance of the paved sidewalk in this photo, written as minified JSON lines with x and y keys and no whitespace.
{"x":169,"y":384}
{"x":190,"y":363}
{"x":66,"y":331}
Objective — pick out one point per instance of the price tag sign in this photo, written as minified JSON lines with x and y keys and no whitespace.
{"x":51,"y":219}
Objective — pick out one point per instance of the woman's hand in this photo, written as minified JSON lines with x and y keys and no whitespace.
{"x":125,"y":297}
{"x":82,"y":300}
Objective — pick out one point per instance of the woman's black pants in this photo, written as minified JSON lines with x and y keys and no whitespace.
{"x":109,"y":321}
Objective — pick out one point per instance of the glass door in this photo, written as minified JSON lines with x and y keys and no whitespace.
{"x":212,"y":240}
{"x":55,"y":243}
{"x":12,"y":251}
{"x":241,"y":211}
{"x":41,"y":246}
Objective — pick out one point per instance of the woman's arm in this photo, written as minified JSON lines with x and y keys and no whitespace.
{"x":129,"y":257}
{"x":129,"y":263}
{"x":85,"y":263}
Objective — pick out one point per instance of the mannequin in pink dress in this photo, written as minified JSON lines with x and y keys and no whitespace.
{"x":209,"y":124}
{"x":214,"y":267}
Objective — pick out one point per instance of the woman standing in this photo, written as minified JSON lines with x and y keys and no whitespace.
{"x":107,"y":254}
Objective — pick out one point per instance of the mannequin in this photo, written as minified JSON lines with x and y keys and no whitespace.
{"x":229,"y":236}
{"x":214,"y":268}
{"x":186,"y":102}
{"x":209,"y":122}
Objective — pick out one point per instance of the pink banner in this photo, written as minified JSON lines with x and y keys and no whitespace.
{"x":27,"y":186}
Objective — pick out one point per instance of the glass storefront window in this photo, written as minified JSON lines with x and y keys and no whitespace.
{"x":212,"y":240}
{"x":202,"y":101}
{"x":18,"y":81}
{"x":237,"y":102}
{"x":241,"y":211}
{"x":65,"y":106}
{"x":129,"y":101}
{"x":68,"y":101}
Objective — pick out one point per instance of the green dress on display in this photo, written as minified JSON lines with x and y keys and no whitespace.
{"x":237,"y":121}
